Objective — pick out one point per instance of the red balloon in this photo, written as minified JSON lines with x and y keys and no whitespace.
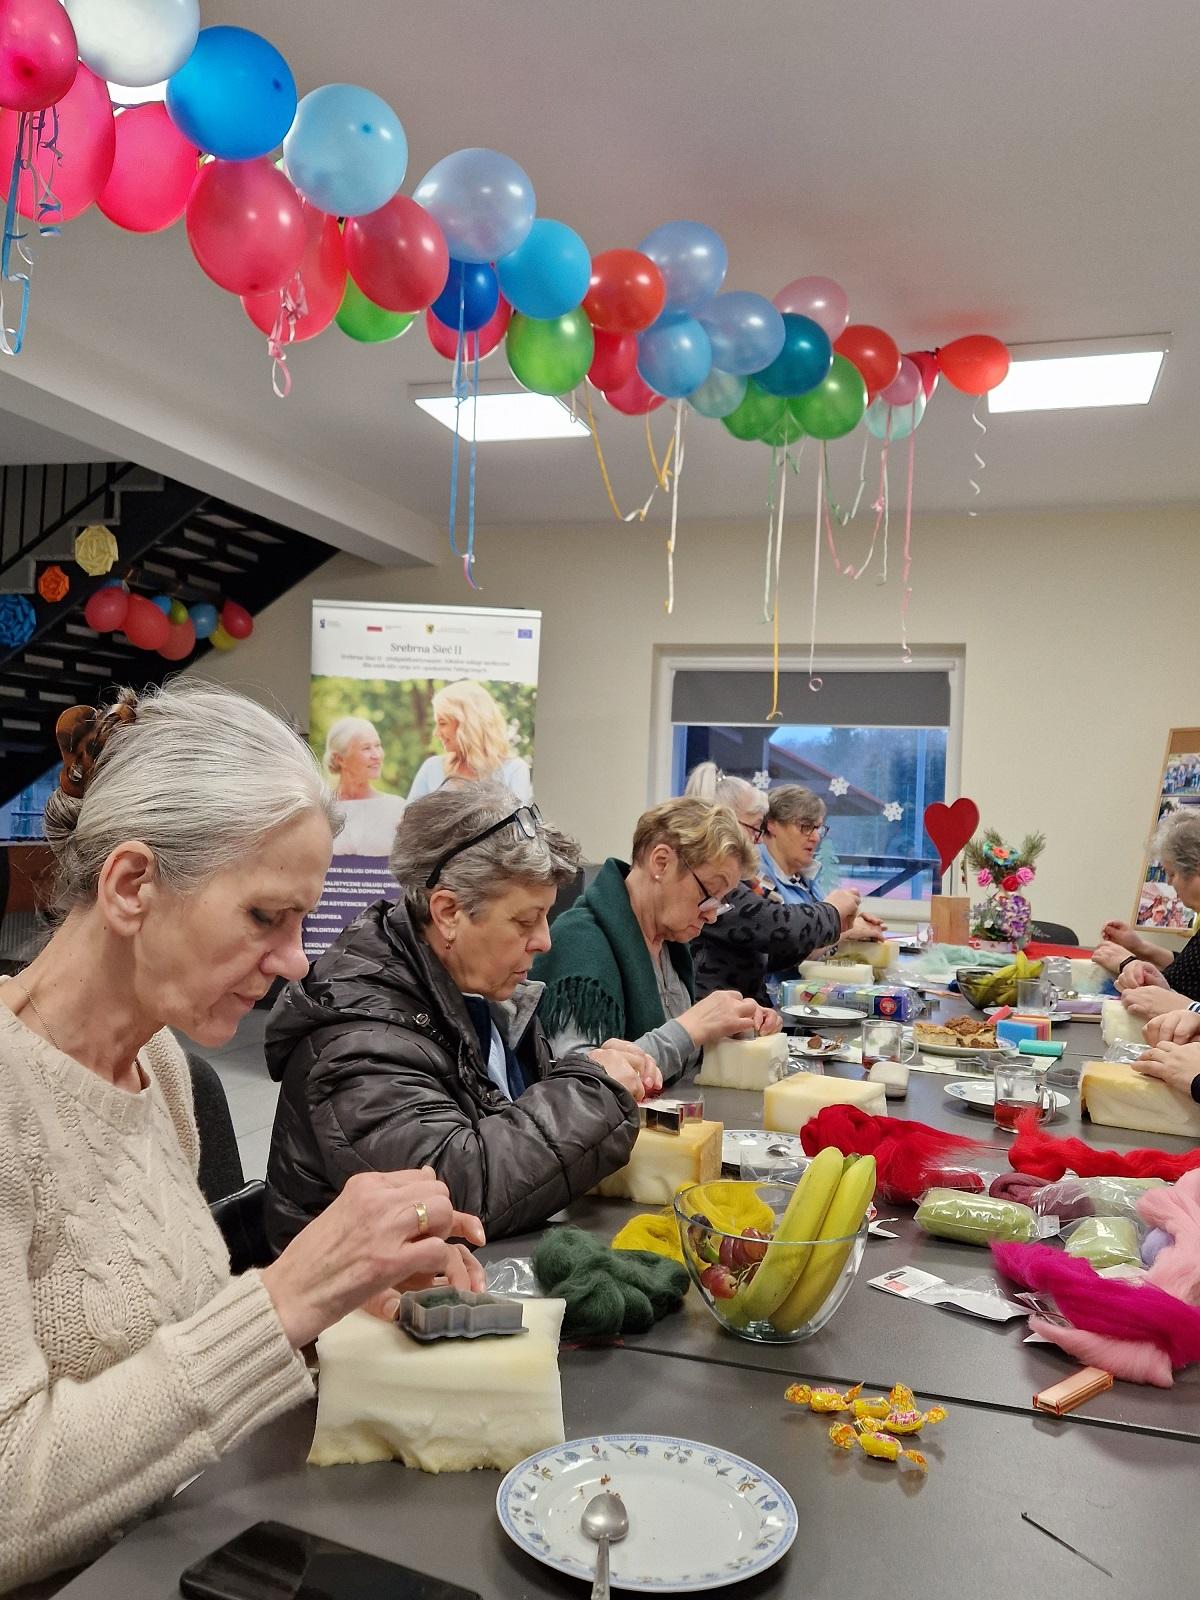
{"x":145,"y":626}
{"x":397,"y":255}
{"x":974,"y":364}
{"x":236,"y":620}
{"x":245,"y":225}
{"x":152,"y":172}
{"x":927,"y":365}
{"x":38,"y":54}
{"x":875,"y":353}
{"x":627,"y":291}
{"x":322,"y":273}
{"x":181,"y":641}
{"x":635,"y":397}
{"x":615,"y":360}
{"x":105,"y":610}
{"x":445,"y":340}
{"x":87,"y":140}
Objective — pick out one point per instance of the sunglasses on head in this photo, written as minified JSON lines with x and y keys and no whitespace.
{"x":526,"y":819}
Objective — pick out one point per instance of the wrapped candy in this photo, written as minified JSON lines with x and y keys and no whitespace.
{"x":802,"y":1394}
{"x":897,"y":1413}
{"x":903,"y":1415}
{"x":864,"y":1436}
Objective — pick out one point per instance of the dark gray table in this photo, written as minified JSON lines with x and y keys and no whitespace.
{"x":866,"y":1528}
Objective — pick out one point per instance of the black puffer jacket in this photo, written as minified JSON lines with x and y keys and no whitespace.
{"x":382,"y":1069}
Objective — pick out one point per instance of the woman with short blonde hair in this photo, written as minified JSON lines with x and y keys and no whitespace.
{"x":620,"y":965}
{"x":475,"y":737}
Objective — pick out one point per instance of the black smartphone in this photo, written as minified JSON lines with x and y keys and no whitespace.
{"x":270,"y":1561}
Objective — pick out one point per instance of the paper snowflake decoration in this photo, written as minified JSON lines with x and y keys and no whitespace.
{"x":839,"y":786}
{"x":893,"y":811}
{"x":761,"y":779}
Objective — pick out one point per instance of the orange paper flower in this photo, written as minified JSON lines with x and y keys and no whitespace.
{"x":53,"y":584}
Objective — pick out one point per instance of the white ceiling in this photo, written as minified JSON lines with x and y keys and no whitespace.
{"x":1019,"y":168}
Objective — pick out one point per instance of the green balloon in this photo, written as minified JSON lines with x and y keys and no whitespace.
{"x":758,"y":413}
{"x":178,"y":612}
{"x":550,"y":357}
{"x":784,"y":432}
{"x":363,"y":320}
{"x":836,"y":405}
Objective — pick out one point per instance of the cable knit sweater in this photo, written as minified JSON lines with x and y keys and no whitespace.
{"x":129,"y":1359}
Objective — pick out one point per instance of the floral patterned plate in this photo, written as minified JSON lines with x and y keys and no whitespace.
{"x":699,"y":1518}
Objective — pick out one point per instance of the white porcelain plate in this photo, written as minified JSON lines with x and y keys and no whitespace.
{"x":837,"y":1015}
{"x":980,"y":1095}
{"x":699,"y":1518}
{"x":959,"y":1049}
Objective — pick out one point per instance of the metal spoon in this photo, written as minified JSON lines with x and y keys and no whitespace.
{"x":605,"y":1520}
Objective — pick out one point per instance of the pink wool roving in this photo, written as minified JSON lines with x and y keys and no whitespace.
{"x":1176,"y":1210}
{"x":1135,"y":1359}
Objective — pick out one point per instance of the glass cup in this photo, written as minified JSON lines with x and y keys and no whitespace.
{"x":1018,"y":1087}
{"x":881,"y":1041}
{"x":1034,"y":995}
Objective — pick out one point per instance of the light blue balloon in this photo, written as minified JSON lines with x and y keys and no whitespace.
{"x":746,"y":331}
{"x":905,"y":419}
{"x":234,"y":96}
{"x":483,"y":202}
{"x":674,"y":355}
{"x":346,"y":151}
{"x":204,"y":619}
{"x":163,"y":602}
{"x":693,"y":261}
{"x":719,"y":394}
{"x":548,"y":273}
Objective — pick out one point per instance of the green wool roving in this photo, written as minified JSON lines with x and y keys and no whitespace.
{"x":607,"y":1291}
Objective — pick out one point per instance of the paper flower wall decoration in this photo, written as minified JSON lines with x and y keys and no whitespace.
{"x":893,"y":811}
{"x":53,"y":584}
{"x":839,"y":786}
{"x":17,"y":620}
{"x":96,"y":550}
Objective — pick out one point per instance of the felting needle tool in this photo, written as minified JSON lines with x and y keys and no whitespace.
{"x":1033,"y":1523}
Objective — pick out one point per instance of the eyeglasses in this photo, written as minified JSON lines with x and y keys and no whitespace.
{"x":709,"y":902}
{"x":817,"y":829}
{"x":754,"y":829}
{"x":526,"y":819}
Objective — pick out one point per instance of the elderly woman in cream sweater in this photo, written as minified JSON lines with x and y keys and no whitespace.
{"x":129,"y":1357}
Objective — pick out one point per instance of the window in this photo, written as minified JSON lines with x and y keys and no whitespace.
{"x":21,"y":817}
{"x":875,"y":745}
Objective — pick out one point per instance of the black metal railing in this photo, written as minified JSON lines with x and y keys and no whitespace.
{"x":36,"y":502}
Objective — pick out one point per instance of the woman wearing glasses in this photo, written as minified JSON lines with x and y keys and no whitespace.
{"x":620,"y":966}
{"x":414,"y":1041}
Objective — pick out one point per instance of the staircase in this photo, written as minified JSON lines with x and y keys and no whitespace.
{"x":173,"y":540}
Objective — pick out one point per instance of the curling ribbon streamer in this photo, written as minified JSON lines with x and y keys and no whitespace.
{"x":879,"y":506}
{"x":659,"y":472}
{"x":775,"y":711}
{"x":678,"y":443}
{"x":815,"y":683}
{"x":31,"y":143}
{"x":292,"y":306}
{"x":980,"y":463}
{"x":638,"y":515}
{"x":905,"y":586}
{"x":845,"y":517}
{"x":464,"y":389}
{"x":770,"y":532}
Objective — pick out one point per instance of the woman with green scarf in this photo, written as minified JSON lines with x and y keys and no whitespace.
{"x":620,"y":968}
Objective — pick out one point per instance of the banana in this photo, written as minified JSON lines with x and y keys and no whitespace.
{"x":842,"y":1219}
{"x":785,"y":1260}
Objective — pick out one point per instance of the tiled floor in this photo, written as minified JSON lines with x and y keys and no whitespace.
{"x":249,"y":1089}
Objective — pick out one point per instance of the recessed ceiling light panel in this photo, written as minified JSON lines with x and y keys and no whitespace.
{"x":1075,"y":380}
{"x":497,"y":417}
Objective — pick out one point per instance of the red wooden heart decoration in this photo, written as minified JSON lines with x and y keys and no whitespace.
{"x":951,"y":827}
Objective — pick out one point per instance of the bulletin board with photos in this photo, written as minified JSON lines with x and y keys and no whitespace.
{"x":1178,"y":790}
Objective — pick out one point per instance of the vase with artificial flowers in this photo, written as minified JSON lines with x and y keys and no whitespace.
{"x":1003,"y":917}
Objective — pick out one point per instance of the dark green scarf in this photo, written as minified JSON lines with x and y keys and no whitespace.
{"x":599,"y":971}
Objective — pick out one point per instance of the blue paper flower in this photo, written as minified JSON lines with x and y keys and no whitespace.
{"x":17,"y":620}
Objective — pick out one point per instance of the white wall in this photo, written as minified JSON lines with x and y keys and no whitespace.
{"x":1077,"y":630}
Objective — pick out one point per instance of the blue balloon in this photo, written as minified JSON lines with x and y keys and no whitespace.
{"x":548,"y":273}
{"x":204,"y":619}
{"x":903,"y":419}
{"x":482,"y":201}
{"x":234,"y":96}
{"x":693,"y":261}
{"x":346,"y":152}
{"x":471,"y":285}
{"x":163,"y":602}
{"x":113,"y":583}
{"x":804,"y":361}
{"x":674,"y":355}
{"x":746,"y":331}
{"x":719,"y":394}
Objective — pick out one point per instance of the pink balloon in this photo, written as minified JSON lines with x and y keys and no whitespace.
{"x":634,"y":398}
{"x":323,"y":276}
{"x":236,"y":620}
{"x":181,"y":641}
{"x":245,"y":225}
{"x":38,"y":54}
{"x":905,"y":386}
{"x":445,"y":340}
{"x":145,"y":626}
{"x":397,"y":255}
{"x":152,"y":172}
{"x":821,"y":299}
{"x":87,"y":141}
{"x":926,"y":364}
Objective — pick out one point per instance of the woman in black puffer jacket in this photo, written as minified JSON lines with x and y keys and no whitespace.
{"x":414,"y":1041}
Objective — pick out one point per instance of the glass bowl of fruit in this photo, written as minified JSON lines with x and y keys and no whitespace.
{"x":774,"y":1261}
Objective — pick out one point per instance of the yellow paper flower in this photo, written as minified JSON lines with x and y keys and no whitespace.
{"x":96,"y":550}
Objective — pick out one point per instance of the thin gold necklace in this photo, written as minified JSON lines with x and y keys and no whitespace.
{"x":38,"y":1014}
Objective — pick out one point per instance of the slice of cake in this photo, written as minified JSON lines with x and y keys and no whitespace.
{"x":444,"y":1407}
